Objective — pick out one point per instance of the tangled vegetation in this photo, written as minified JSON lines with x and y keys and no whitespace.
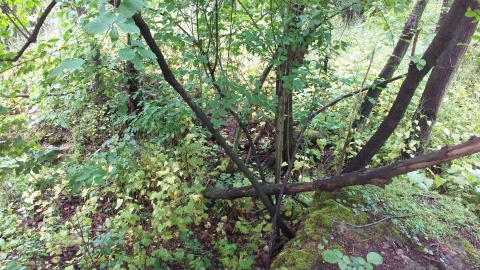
{"x":192,"y":134}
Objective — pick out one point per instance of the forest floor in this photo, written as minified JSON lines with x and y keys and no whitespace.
{"x":439,"y":242}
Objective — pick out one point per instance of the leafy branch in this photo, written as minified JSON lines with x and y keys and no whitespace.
{"x":34,"y":35}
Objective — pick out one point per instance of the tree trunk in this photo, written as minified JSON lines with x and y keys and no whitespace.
{"x":393,"y":62}
{"x":376,"y":176}
{"x":437,"y":85}
{"x":284,"y":140}
{"x":443,"y":12}
{"x":413,"y":79}
{"x":131,"y":88}
{"x":100,"y":97}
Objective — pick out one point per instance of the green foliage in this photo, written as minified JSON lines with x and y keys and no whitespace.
{"x":124,"y":189}
{"x":66,"y":64}
{"x":436,"y":216}
{"x":345,"y":262}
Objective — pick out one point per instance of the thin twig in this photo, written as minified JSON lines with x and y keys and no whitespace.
{"x":381,"y":220}
{"x":340,"y":98}
{"x":415,"y":40}
{"x":352,"y":119}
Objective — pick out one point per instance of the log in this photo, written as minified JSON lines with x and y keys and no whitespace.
{"x":380,"y":176}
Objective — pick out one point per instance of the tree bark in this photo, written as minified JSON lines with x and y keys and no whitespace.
{"x":437,"y":86}
{"x":413,"y":79}
{"x":393,"y":62}
{"x":131,"y":88}
{"x":284,"y":139}
{"x":376,"y":176}
{"x":443,"y":12}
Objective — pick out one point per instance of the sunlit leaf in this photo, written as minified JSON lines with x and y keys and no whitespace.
{"x":66,"y":64}
{"x":128,"y":8}
{"x":97,"y":26}
{"x":126,"y":54}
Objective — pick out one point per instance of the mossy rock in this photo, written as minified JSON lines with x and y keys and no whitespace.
{"x":296,"y":259}
{"x":326,"y":213}
{"x":426,"y":220}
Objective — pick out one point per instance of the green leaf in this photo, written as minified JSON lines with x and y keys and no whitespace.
{"x":108,"y":17}
{"x":98,"y":176}
{"x":146,"y":241}
{"x":331,"y":256}
{"x":113,"y":34}
{"x":421,"y":64}
{"x":128,"y":8}
{"x":359,"y":260}
{"x":446,"y":131}
{"x":439,"y":181}
{"x":147,"y":53}
{"x":63,"y":122}
{"x":374,"y":258}
{"x":119,"y":203}
{"x":357,"y":8}
{"x":97,"y":26}
{"x":420,"y":180}
{"x":150,"y":261}
{"x":126,"y":54}
{"x":3,"y":110}
{"x":137,"y":61}
{"x":128,"y":27}
{"x":179,"y":255}
{"x":138,"y":44}
{"x":66,"y":64}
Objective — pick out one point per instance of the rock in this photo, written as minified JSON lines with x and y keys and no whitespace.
{"x":411,"y":264}
{"x":455,"y":263}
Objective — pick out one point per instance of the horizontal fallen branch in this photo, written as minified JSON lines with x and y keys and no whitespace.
{"x":376,"y":176}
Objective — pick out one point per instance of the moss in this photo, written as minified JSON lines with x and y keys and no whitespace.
{"x":435,"y":217}
{"x":296,"y":259}
{"x":330,"y":215}
{"x":319,"y":199}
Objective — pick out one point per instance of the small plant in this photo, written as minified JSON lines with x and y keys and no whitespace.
{"x":344,"y":262}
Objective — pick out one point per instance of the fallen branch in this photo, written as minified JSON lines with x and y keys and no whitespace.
{"x":376,"y":176}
